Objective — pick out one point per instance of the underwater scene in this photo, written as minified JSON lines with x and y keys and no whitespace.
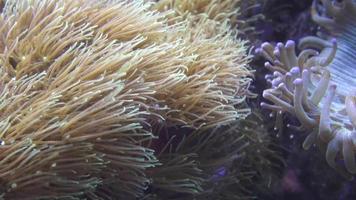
{"x":177,"y":99}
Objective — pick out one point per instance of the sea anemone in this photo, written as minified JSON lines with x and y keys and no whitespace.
{"x":317,"y":86}
{"x":217,"y":77}
{"x":214,"y":87}
{"x":71,"y":118}
{"x":84,"y":81}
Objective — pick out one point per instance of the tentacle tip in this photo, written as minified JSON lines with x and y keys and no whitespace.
{"x":265,"y":45}
{"x":298,"y":81}
{"x":276,"y":73}
{"x":295,"y":70}
{"x":267,"y":64}
{"x":305,"y":71}
{"x":290,"y":44}
{"x":275,"y":82}
{"x":268,"y":77}
{"x":265,"y":94}
{"x":276,"y":52}
{"x":280,"y":45}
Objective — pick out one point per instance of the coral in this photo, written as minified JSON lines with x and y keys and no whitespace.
{"x":317,"y":85}
{"x":84,"y":84}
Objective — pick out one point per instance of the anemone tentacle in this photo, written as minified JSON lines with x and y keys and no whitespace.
{"x":317,"y":86}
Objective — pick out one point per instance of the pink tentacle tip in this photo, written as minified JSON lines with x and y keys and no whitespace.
{"x":305,"y":72}
{"x":276,"y":52}
{"x":276,"y":82}
{"x":268,"y":65}
{"x":290,"y":44}
{"x":295,"y":70}
{"x":277,"y":62}
{"x":268,"y":76}
{"x":280,"y":45}
{"x":265,"y":45}
{"x":276,"y":73}
{"x":266,"y":94}
{"x":298,"y":81}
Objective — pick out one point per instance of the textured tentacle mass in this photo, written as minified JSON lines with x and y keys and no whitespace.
{"x":317,"y":85}
{"x":85,"y":86}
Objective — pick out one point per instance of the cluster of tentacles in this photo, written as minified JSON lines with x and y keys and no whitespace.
{"x":223,"y":163}
{"x":317,"y":85}
{"x":87,"y":87}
